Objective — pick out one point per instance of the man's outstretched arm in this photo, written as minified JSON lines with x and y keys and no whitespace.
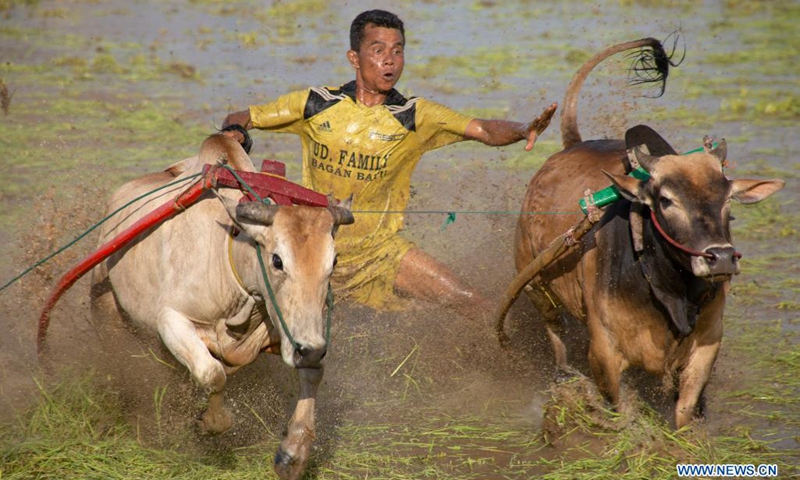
{"x":503,"y":132}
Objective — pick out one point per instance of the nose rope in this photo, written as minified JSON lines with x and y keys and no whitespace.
{"x":328,"y":299}
{"x":679,"y":246}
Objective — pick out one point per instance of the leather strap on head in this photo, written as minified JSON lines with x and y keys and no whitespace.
{"x":679,"y":246}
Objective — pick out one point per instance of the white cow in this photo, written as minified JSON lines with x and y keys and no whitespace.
{"x":199,"y":285}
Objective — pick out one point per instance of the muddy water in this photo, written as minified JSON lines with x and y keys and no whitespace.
{"x":499,"y":59}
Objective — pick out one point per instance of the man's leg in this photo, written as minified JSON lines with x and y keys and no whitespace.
{"x":422,"y":276}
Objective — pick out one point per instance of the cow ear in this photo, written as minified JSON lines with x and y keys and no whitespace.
{"x":753,"y":191}
{"x":629,"y":187}
{"x":229,"y":204}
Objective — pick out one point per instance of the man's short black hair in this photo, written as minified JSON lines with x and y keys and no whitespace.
{"x":379,"y":18}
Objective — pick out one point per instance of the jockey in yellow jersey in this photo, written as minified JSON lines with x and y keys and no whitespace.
{"x":365,"y":139}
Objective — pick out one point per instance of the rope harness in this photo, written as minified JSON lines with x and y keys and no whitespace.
{"x":329,"y":298}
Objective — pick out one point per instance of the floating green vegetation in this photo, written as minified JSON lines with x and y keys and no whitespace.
{"x":7,"y":5}
{"x":764,"y":220}
{"x":96,"y":60}
{"x":759,"y":84}
{"x":247,"y":39}
{"x":769,"y":40}
{"x":684,"y":115}
{"x":529,"y":162}
{"x":671,"y":4}
{"x":133,"y":67}
{"x":773,"y":384}
{"x":297,"y":8}
{"x":483,"y":62}
{"x":768,"y":106}
{"x":107,"y":140}
{"x":77,"y":431}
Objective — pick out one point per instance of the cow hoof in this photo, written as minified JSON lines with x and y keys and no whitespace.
{"x":700,"y":409}
{"x":286,"y":466}
{"x":214,"y":423}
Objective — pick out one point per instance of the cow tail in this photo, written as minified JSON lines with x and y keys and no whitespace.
{"x":650,"y":64}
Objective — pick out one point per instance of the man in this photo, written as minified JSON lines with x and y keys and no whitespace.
{"x":365,"y":139}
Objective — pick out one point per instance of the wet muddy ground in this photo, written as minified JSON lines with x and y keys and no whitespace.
{"x":97,"y":93}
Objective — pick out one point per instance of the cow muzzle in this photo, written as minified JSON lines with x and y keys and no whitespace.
{"x":305,"y":356}
{"x":718,"y":261}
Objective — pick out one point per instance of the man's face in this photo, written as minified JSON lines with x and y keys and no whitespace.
{"x":379,"y":60}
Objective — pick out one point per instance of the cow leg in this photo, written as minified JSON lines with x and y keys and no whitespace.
{"x":693,"y":380}
{"x":292,"y":455}
{"x":606,"y":362}
{"x":180,"y":337}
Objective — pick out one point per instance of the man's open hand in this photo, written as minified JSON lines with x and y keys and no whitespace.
{"x":539,"y":125}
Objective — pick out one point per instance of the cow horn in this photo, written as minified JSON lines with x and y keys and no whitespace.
{"x":641,"y":154}
{"x":257,"y":212}
{"x":342,"y":216}
{"x":721,"y":152}
{"x":341,"y":210}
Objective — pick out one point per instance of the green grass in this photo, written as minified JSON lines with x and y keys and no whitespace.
{"x":77,"y":431}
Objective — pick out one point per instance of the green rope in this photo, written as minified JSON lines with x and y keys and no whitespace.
{"x":328,"y":300}
{"x":92,"y":228}
{"x":477,"y":212}
{"x":274,"y":300}
{"x":451,"y":216}
{"x":244,"y":184}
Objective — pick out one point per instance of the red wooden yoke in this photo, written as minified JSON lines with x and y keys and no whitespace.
{"x":269,"y":183}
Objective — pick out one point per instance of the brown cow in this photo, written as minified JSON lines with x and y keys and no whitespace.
{"x":649,"y":299}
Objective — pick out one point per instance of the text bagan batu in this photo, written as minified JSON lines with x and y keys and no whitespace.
{"x":348,"y":164}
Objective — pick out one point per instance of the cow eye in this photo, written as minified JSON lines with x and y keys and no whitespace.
{"x":664,"y":202}
{"x":277,"y":262}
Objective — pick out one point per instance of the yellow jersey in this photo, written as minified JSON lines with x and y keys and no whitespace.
{"x":371,"y":153}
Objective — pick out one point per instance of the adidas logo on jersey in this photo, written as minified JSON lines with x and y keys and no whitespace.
{"x":324,"y":126}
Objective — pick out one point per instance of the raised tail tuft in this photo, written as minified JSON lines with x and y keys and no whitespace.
{"x":650,"y":64}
